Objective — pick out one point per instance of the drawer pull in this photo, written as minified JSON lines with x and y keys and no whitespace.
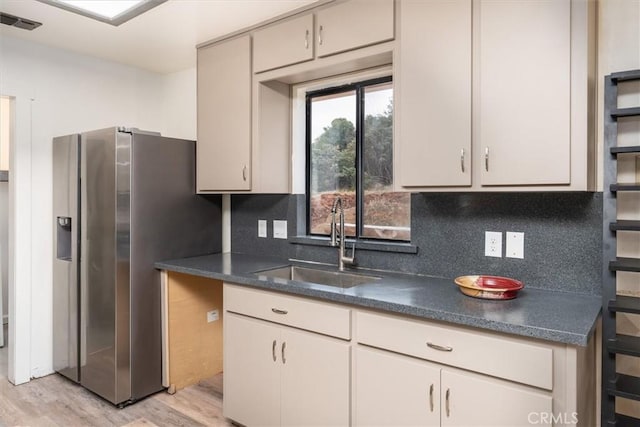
{"x":284,"y":360}
{"x":447,"y":409}
{"x":273,"y":350}
{"x":439,"y":347}
{"x":278,"y":311}
{"x":244,"y":173}
{"x":320,"y":35}
{"x":306,"y":40}
{"x":462,"y":160}
{"x":431,"y":397}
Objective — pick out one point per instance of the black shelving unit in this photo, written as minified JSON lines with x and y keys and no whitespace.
{"x":614,"y":384}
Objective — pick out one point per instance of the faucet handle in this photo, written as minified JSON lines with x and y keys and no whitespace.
{"x":351,"y":260}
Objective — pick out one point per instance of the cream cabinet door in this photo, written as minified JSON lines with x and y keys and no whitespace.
{"x":524,"y":76}
{"x":283,"y":44}
{"x":315,"y":379}
{"x":251,"y":371}
{"x":395,"y":390}
{"x":474,"y":400}
{"x":433,"y":114}
{"x":224,"y":116}
{"x":353,"y":24}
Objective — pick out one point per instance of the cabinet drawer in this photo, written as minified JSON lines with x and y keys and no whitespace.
{"x":503,"y":357}
{"x":289,"y":310}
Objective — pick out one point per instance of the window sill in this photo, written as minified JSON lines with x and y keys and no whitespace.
{"x":365,"y":245}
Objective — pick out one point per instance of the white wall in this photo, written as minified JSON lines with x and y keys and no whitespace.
{"x":180,"y":104}
{"x":56,"y":93}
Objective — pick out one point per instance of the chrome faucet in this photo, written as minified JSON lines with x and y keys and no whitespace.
{"x":342,"y":259}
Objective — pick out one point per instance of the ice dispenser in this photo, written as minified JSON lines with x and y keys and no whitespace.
{"x":64,"y":238}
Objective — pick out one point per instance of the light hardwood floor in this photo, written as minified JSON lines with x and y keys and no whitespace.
{"x":55,"y":401}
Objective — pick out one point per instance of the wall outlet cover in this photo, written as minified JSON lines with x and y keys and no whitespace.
{"x":515,"y":245}
{"x":212,"y":316}
{"x":262,"y":228}
{"x":279,"y":229}
{"x":493,"y":244}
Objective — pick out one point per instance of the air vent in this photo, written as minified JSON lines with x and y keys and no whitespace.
{"x":16,"y":21}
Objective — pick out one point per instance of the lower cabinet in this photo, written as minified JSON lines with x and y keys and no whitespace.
{"x":393,"y":390}
{"x":276,"y":375}
{"x":296,"y":361}
{"x":471,"y":399}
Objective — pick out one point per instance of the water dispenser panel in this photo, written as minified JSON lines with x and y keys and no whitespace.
{"x":63,"y":228}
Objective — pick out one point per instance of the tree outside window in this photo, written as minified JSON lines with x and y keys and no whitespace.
{"x":350,"y":155}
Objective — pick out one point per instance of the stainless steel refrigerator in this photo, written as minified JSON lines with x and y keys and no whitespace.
{"x":122,"y":200}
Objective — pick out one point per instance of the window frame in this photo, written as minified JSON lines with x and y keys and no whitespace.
{"x":359,"y":88}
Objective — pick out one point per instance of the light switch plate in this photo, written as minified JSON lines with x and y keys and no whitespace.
{"x":493,"y":244}
{"x":279,"y":229}
{"x":515,"y":245}
{"x":262,"y":228}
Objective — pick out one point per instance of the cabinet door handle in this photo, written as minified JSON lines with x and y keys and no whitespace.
{"x":278,"y":311}
{"x":486,"y":159}
{"x":320,"y":35}
{"x":284,"y":345}
{"x":446,"y":398}
{"x":273,"y":350}
{"x":439,"y":347}
{"x":462,"y":160}
{"x":306,"y":39}
{"x":244,"y":172}
{"x":431,"y":397}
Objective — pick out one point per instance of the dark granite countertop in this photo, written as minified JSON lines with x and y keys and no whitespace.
{"x":554,"y":316}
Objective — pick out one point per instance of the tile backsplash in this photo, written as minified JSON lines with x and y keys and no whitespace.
{"x":562,"y":244}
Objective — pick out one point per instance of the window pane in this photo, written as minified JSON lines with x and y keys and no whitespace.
{"x":333,"y":160}
{"x":386,"y":214}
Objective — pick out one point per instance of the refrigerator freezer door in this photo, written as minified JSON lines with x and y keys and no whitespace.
{"x":65,"y":261}
{"x":105,"y":212}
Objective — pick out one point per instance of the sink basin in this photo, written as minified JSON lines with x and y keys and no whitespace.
{"x":320,"y":277}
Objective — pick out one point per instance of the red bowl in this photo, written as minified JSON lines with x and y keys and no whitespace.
{"x":489,"y":287}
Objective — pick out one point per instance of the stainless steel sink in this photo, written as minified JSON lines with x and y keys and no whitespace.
{"x":317,"y":276}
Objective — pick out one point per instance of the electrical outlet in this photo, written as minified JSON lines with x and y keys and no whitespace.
{"x":493,"y":244}
{"x":515,"y":245}
{"x":212,"y":316}
{"x":262,"y":228}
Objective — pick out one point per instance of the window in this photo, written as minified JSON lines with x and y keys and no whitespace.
{"x":349,"y":134}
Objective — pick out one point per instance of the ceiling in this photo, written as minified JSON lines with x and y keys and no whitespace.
{"x":162,"y":39}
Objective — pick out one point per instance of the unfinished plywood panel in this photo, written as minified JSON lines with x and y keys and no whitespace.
{"x":194,"y":343}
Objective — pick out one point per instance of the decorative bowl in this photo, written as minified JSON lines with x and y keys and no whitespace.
{"x":489,"y":287}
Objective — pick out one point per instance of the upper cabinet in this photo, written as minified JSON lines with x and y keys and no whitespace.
{"x":340,"y":27}
{"x":504,"y":104}
{"x":283,"y":44}
{"x":243,"y":128}
{"x":353,"y":24}
{"x":223,"y":149}
{"x":433,"y":93}
{"x":490,"y":95}
{"x":524,"y":79}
